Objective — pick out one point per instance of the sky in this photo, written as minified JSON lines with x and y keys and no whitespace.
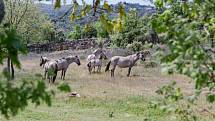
{"x":141,"y":2}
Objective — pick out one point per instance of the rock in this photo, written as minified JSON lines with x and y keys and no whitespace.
{"x":74,"y":94}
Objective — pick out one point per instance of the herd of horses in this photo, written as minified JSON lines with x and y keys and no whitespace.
{"x":94,"y":61}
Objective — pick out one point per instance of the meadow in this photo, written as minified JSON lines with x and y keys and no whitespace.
{"x":103,"y":98}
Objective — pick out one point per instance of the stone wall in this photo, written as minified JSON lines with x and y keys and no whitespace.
{"x":79,"y":44}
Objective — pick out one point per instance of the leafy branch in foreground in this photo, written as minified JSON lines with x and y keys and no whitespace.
{"x":100,"y":9}
{"x":172,"y":101}
{"x":16,"y":98}
{"x":187,"y":28}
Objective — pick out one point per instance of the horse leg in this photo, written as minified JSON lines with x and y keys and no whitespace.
{"x":61,"y":74}
{"x":64,"y":74}
{"x":98,"y":69}
{"x":129,"y":71}
{"x":45,"y":75}
{"x":54,"y":78}
{"x":90,"y":69}
{"x":112,"y":72}
{"x":94,"y":68}
{"x":49,"y":78}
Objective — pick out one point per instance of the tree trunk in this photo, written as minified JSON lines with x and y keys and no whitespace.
{"x":2,"y":12}
{"x":8,"y":67}
{"x":12,"y":71}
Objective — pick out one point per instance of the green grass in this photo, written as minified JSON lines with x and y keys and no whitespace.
{"x":132,"y":108}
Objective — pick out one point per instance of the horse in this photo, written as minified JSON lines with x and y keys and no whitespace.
{"x":64,"y":63}
{"x":50,"y":68}
{"x":53,"y":66}
{"x":125,"y":62}
{"x":93,"y":63}
{"x":43,"y":60}
{"x":96,"y":54}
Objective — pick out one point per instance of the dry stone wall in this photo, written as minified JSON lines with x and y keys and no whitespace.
{"x":79,"y":44}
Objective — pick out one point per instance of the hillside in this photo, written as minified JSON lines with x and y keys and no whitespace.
{"x":67,"y":25}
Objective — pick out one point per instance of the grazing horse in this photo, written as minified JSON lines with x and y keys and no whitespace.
{"x":96,"y":54}
{"x":64,"y":63}
{"x":93,"y":63}
{"x":125,"y":62}
{"x":95,"y":59}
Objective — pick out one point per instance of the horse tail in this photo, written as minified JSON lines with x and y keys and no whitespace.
{"x":108,"y":66}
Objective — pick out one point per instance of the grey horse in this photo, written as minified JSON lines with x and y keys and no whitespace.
{"x":125,"y":62}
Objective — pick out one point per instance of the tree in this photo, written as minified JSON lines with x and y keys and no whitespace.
{"x":27,"y":19}
{"x":101,"y":31}
{"x":187,"y":28}
{"x":89,"y":31}
{"x":135,"y":32}
{"x":2,"y":12}
{"x":13,"y":98}
{"x":76,"y":33}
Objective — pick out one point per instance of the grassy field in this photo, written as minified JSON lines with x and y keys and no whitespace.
{"x":103,"y":98}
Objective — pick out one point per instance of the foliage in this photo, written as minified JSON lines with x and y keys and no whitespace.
{"x":15,"y":98}
{"x":89,"y":31}
{"x":32,"y":25}
{"x":2,"y":12}
{"x":11,"y":45}
{"x":188,"y":31}
{"x":135,"y":46}
{"x":135,"y":32}
{"x":101,"y":31}
{"x":172,"y":102}
{"x":98,"y":6}
{"x":77,"y":33}
{"x":64,"y":87}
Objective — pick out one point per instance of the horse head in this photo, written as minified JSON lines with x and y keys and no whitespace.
{"x":140,"y":56}
{"x":75,"y":59}
{"x":103,"y":55}
{"x":43,"y":60}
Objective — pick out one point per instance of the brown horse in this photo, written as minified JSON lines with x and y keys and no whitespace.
{"x":125,"y":62}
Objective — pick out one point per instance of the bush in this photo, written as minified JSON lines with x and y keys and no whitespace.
{"x":89,"y":31}
{"x":135,"y":46}
{"x":76,"y":34}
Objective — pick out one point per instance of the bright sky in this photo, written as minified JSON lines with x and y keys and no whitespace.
{"x":141,"y":2}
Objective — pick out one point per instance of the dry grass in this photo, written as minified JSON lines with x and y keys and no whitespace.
{"x":95,"y":89}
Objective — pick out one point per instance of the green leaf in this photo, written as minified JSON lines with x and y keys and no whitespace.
{"x":211,"y":98}
{"x":64,"y":87}
{"x":57,"y":4}
{"x":121,"y":11}
{"x":107,"y":6}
